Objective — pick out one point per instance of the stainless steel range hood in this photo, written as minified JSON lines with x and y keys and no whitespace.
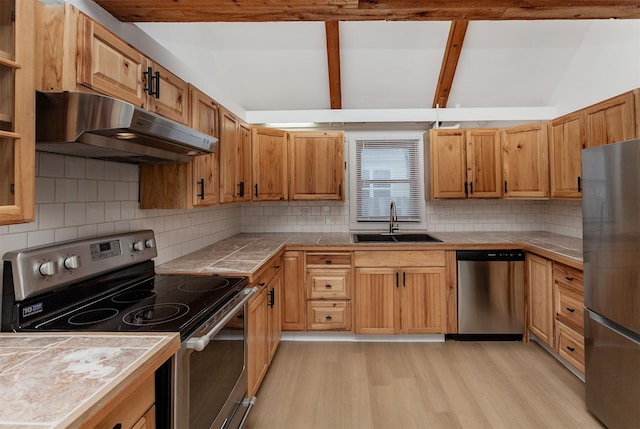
{"x":96,"y":126}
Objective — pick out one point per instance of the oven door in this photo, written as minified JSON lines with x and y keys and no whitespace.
{"x":211,"y":378}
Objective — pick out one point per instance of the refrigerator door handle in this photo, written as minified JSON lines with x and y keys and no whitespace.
{"x":617,"y":328}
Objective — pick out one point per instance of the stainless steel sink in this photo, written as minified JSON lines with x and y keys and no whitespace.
{"x":382,"y":237}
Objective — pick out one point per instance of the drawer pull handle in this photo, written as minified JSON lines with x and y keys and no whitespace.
{"x":570,"y":310}
{"x":328,"y":261}
{"x":328,"y":285}
{"x":569,"y":278}
{"x":261,"y":284}
{"x":277,"y":267}
{"x":571,"y":349}
{"x":328,"y":317}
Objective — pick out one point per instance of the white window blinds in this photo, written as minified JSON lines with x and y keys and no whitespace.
{"x":387,"y":170}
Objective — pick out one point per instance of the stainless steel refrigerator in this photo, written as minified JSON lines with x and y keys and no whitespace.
{"x":611,"y":229}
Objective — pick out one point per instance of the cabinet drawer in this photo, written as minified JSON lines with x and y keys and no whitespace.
{"x":332,"y":259}
{"x":570,"y":309}
{"x":328,"y":316}
{"x":571,"y":346}
{"x":402,"y":258}
{"x":328,"y":284}
{"x":570,"y":277}
{"x":269,"y":271}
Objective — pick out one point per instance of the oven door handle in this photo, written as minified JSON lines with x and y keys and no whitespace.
{"x":199,"y":343}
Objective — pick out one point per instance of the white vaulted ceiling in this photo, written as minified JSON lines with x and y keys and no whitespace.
{"x":271,"y":66}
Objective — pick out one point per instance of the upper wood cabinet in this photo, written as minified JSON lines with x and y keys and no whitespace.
{"x":269,"y":164}
{"x":566,"y":141}
{"x":186,"y":185}
{"x":611,"y":121}
{"x":235,"y":158}
{"x":464,"y":163}
{"x":75,"y":50}
{"x":316,"y":166}
{"x":206,"y":168}
{"x":525,"y":161}
{"x":17,"y":111}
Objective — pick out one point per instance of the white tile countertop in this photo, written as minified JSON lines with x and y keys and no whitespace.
{"x":244,"y":254}
{"x":62,"y":380}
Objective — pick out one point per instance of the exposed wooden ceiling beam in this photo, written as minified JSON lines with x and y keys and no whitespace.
{"x":332,"y":29}
{"x":450,"y":59}
{"x":358,"y":10}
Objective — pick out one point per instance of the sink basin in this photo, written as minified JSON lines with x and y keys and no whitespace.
{"x":395,"y":238}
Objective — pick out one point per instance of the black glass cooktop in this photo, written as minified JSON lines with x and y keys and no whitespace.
{"x":163,"y":303}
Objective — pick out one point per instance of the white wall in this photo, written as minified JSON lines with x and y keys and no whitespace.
{"x":606,"y":64}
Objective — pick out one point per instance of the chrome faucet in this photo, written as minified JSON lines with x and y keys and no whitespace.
{"x":393,"y":218}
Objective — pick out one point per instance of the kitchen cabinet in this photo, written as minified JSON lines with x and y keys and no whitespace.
{"x":17,"y":111}
{"x":135,"y":411}
{"x":525,"y":161}
{"x":540,"y":296}
{"x":403,"y":292}
{"x":464,"y":163}
{"x":269,"y":164}
{"x":186,"y":185}
{"x":566,"y":141}
{"x":235,"y":158}
{"x":316,"y":166}
{"x":263,"y":322}
{"x":568,"y":305}
{"x":611,"y":121}
{"x":328,"y":291}
{"x":76,"y":53}
{"x":293,"y":296}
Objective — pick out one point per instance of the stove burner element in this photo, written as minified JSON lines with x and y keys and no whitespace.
{"x":130,"y":296}
{"x":204,"y":284}
{"x":155,"y":314}
{"x":92,"y":316}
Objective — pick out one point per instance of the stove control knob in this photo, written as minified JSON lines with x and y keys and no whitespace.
{"x":48,"y":268}
{"x":72,"y":262}
{"x":149,"y":243}
{"x":138,"y":246}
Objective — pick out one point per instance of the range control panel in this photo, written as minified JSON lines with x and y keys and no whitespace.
{"x":40,"y":269}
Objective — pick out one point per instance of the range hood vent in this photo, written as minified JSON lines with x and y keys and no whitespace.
{"x":96,"y":126}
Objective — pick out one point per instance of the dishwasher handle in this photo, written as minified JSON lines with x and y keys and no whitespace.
{"x":490,"y":255}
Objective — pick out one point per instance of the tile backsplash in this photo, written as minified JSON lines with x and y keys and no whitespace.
{"x":78,"y":197}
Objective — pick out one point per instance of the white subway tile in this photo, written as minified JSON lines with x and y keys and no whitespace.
{"x":75,"y":214}
{"x":75,"y":167}
{"x":51,"y":165}
{"x":65,"y":234}
{"x":40,"y":238}
{"x":128,"y":172}
{"x":45,"y":190}
{"x":90,"y":230}
{"x":95,"y":212}
{"x":87,"y":190}
{"x":112,"y":170}
{"x":112,"y":211}
{"x":106,"y":190}
{"x":13,"y":242}
{"x":121,"y":191}
{"x":66,"y":190}
{"x":106,"y":228}
{"x":95,"y":169}
{"x":50,"y":216}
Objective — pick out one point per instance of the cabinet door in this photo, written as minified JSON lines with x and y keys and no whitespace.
{"x":293,"y":299}
{"x":525,"y":161}
{"x":269,"y":162}
{"x":108,"y":64}
{"x":376,"y":305}
{"x":316,"y":166}
{"x":484,"y":167}
{"x":244,"y":161}
{"x":257,"y":340}
{"x":275,"y":313}
{"x":170,"y":99}
{"x":448,"y":167}
{"x":566,"y":141}
{"x":611,"y":121}
{"x":540,"y":288}
{"x":424,"y":300}
{"x":166,"y":186}
{"x":17,"y":111}
{"x":204,"y":117}
{"x":229,"y":155}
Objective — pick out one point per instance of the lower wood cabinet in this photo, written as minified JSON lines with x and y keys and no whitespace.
{"x":556,"y":307}
{"x":293,"y":299}
{"x":135,"y":411}
{"x":395,"y":295}
{"x":263,"y":323}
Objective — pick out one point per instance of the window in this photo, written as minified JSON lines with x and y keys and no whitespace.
{"x":388,"y":170}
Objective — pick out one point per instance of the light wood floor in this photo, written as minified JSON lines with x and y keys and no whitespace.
{"x":322,"y":385}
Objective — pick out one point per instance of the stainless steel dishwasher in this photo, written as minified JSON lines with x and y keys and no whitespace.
{"x":490,"y":294}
